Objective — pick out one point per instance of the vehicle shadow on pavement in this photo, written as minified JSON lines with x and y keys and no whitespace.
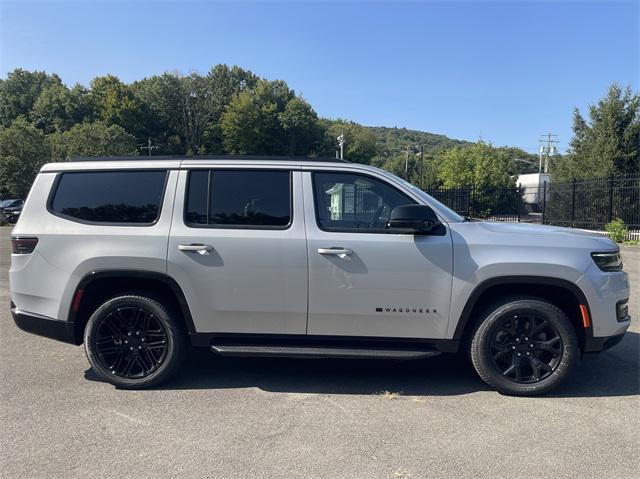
{"x":611,"y":373}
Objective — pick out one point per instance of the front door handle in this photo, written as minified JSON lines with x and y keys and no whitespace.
{"x":341,"y":252}
{"x":196,"y":247}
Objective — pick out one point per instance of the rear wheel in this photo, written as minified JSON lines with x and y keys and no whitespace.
{"x":524,"y":346}
{"x":134,"y":342}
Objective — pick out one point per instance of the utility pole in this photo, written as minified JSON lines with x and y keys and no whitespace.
{"x":149,"y":146}
{"x":547,"y":148}
{"x":406,"y":164}
{"x":341,"y":144}
{"x":421,"y":166}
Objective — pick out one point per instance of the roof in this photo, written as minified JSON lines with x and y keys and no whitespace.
{"x":208,"y":157}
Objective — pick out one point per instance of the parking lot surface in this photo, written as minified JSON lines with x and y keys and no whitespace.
{"x":226,"y":417}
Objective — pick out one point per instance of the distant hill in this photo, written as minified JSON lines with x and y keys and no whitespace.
{"x":393,"y":141}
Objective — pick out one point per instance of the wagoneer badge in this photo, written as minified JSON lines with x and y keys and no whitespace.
{"x":406,"y":310}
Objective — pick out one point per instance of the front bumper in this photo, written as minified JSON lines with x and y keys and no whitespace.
{"x":64,"y":331}
{"x":598,"y":344}
{"x":604,"y":293}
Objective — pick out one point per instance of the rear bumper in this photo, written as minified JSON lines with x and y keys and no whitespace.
{"x":44,"y":326}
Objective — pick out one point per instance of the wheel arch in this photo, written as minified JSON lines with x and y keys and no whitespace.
{"x":563,"y":293}
{"x":97,"y":286}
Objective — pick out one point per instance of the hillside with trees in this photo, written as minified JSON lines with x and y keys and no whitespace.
{"x":230,"y":110}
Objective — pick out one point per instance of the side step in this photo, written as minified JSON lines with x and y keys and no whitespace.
{"x":318,"y":352}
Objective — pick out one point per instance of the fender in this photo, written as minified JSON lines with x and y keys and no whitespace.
{"x":135,"y":274}
{"x":475,"y":295}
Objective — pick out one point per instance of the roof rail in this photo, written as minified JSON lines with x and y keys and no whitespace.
{"x":207,"y":157}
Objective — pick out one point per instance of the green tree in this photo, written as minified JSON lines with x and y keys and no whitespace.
{"x":609,"y":142}
{"x":23,"y":150}
{"x":59,"y":108}
{"x":163,"y":107}
{"x":116,"y":104}
{"x":360,"y":143}
{"x":224,"y":84}
{"x":92,"y":139}
{"x":19,"y":92}
{"x":268,"y":120}
{"x":479,"y":165}
{"x":299,"y":122}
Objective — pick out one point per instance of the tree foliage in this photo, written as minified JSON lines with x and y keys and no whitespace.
{"x":23,"y":150}
{"x":19,"y":92}
{"x":230,"y":110}
{"x":92,"y":139}
{"x":269,"y":119}
{"x":608,"y":143}
{"x":360,"y":142}
{"x":479,"y":165}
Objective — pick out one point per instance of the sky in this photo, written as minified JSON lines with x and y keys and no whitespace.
{"x":504,"y":72}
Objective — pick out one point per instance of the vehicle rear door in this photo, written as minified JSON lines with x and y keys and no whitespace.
{"x":238,"y":248}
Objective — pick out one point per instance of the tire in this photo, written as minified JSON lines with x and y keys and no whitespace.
{"x":524,"y":346}
{"x":134,"y":342}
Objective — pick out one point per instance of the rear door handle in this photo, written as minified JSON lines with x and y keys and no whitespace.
{"x":196,"y":247}
{"x":341,"y":252}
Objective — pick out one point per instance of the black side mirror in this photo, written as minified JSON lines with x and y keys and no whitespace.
{"x":413,"y":219}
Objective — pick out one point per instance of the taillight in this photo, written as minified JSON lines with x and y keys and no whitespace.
{"x":23,"y":245}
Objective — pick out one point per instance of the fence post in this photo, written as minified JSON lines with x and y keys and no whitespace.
{"x":544,"y":199}
{"x":610,"y":216}
{"x":573,"y":204}
{"x":518,"y":200}
{"x":469,"y":191}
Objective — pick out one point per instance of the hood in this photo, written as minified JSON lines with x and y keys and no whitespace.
{"x":535,"y":229}
{"x":544,"y":234}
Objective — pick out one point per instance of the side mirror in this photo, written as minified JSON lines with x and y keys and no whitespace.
{"x":413,"y":219}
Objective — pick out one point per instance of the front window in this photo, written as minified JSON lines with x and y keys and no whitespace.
{"x":354,"y":203}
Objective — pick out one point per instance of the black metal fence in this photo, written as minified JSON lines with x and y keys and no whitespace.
{"x":500,"y":204}
{"x":592,"y":203}
{"x":588,"y":203}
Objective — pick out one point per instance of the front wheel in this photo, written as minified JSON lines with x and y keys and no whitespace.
{"x":524,"y":346}
{"x":134,"y":342}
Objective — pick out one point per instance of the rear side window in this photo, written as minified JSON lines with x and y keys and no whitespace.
{"x":110,"y":197}
{"x":253,"y":199}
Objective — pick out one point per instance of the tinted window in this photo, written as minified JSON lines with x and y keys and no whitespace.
{"x":110,"y":196}
{"x":239,"y":198}
{"x":349,"y":202}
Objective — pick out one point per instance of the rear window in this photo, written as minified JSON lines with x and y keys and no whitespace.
{"x":112,"y":197}
{"x":254,"y":199}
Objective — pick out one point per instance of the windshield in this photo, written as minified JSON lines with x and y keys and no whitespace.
{"x":6,"y":203}
{"x":450,"y":215}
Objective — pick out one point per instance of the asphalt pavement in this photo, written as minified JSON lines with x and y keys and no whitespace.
{"x":284,"y":418}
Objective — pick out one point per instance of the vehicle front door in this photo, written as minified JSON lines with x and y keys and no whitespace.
{"x":364,"y":280}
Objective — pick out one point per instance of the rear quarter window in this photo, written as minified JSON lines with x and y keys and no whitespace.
{"x":109,"y":197}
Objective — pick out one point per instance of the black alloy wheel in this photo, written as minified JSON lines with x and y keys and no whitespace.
{"x":130,"y":342}
{"x":526,"y":348}
{"x":523,"y":345}
{"x":134,"y":341}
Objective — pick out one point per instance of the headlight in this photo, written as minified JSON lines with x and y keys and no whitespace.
{"x":608,"y":261}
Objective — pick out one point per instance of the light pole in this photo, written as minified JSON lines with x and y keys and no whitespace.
{"x":341,"y":144}
{"x":421,"y":166}
{"x":406,"y":164}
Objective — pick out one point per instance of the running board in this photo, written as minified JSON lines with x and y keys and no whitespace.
{"x":318,"y":352}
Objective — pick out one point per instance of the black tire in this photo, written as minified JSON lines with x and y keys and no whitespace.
{"x":523,"y":346}
{"x":134,"y":342}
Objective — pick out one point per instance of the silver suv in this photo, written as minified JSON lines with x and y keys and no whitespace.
{"x":300,"y":257}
